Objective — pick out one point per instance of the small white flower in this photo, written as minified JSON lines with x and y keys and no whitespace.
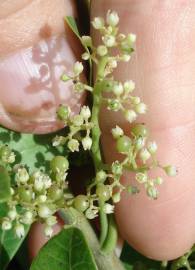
{"x":152,"y":147}
{"x":117,"y":132}
{"x":47,"y":181}
{"x":77,"y":120}
{"x":102,"y":50}
{"x":78,"y":68}
{"x":109,"y":40}
{"x":112,"y":63}
{"x":22,"y":176}
{"x":129,"y":86}
{"x":42,"y":198}
{"x":98,"y":23}
{"x":141,"y":108}
{"x":48,"y":231}
{"x":91,"y":213}
{"x":85,"y":112}
{"x":73,"y":145}
{"x":130,"y":116}
{"x":19,"y":230}
{"x":6,"y":225}
{"x":135,"y":100}
{"x":170,"y":170}
{"x":144,"y":155}
{"x":118,"y":89}
{"x":112,"y":18}
{"x":27,"y":218}
{"x":108,"y":208}
{"x":87,"y":143}
{"x":52,"y":220}
{"x":38,"y":184}
{"x":11,"y":158}
{"x":152,"y":192}
{"x":44,"y":211}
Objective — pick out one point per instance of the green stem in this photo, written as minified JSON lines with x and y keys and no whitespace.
{"x":112,"y":236}
{"x":96,"y":133}
{"x":103,"y":261}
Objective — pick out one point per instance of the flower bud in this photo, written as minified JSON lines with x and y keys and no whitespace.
{"x":118,"y":89}
{"x":129,"y":86}
{"x":152,"y":147}
{"x":27,"y":218}
{"x":44,"y":211}
{"x":79,"y":87}
{"x":130,"y":116}
{"x":144,"y":155}
{"x":22,"y":176}
{"x":98,"y":23}
{"x":87,"y":143}
{"x":117,"y":132}
{"x":6,"y":225}
{"x":108,"y":208}
{"x":101,"y":176}
{"x":85,"y":56}
{"x":78,"y":120}
{"x":170,"y":170}
{"x":112,"y":18}
{"x":125,"y":57}
{"x":78,"y":68}
{"x":85,"y":112}
{"x":19,"y":230}
{"x":73,"y":145}
{"x":86,"y":41}
{"x":141,"y":108}
{"x":48,"y":231}
{"x":12,"y":214}
{"x":102,"y":50}
{"x":116,"y":197}
{"x":109,"y":40}
{"x":63,"y":112}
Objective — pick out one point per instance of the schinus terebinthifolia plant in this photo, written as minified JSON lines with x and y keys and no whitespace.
{"x":38,"y":196}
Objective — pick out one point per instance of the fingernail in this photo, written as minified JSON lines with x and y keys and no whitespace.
{"x":31,"y":89}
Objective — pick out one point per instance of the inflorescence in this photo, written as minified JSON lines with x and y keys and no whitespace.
{"x":38,"y":196}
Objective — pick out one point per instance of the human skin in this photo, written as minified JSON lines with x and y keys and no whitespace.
{"x":163,"y":68}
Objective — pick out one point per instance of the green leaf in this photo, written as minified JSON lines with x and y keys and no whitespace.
{"x":66,"y":251}
{"x":9,"y":242}
{"x":35,"y":151}
{"x":136,"y":261}
{"x":5,"y":192}
{"x":72,"y":24}
{"x":128,"y":267}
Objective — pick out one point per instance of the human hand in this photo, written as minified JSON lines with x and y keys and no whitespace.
{"x":162,"y":68}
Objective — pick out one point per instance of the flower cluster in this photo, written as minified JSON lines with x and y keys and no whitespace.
{"x":78,"y":125}
{"x":37,"y":196}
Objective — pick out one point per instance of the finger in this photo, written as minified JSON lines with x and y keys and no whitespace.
{"x":37,"y":238}
{"x":163,"y":68}
{"x":35,"y":49}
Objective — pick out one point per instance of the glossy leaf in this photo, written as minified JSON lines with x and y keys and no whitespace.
{"x":5,"y":192}
{"x":9,"y":242}
{"x":66,"y":251}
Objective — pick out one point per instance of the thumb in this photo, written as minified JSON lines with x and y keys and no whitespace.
{"x":33,"y":56}
{"x":163,"y":69}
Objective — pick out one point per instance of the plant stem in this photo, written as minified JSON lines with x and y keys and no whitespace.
{"x":96,"y":133}
{"x":103,"y":261}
